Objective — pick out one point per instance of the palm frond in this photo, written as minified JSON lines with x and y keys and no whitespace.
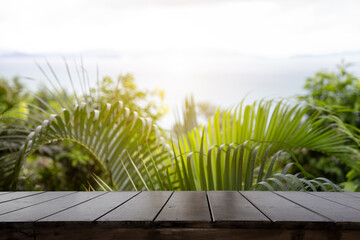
{"x":240,"y":147}
{"x":237,"y":150}
{"x":111,"y":134}
{"x":291,"y":182}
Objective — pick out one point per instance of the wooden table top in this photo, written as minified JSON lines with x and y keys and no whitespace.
{"x":44,"y":213}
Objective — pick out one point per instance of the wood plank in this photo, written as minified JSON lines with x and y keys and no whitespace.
{"x":21,"y":203}
{"x":93,"y":209}
{"x":21,"y":230}
{"x":16,"y":231}
{"x":1,"y":193}
{"x":183,"y":215}
{"x":48,"y":208}
{"x":104,"y":231}
{"x":340,"y":198}
{"x":279,"y":209}
{"x":142,"y":208}
{"x":17,"y":195}
{"x":186,"y":206}
{"x":335,"y":211}
{"x":353,"y":194}
{"x":232,"y":206}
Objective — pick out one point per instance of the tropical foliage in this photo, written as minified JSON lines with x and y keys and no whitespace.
{"x":64,"y":165}
{"x":242,"y":148}
{"x":337,"y":94}
{"x":10,"y":95}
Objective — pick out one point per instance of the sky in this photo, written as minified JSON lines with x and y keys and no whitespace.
{"x":218,"y":50}
{"x":258,"y":28}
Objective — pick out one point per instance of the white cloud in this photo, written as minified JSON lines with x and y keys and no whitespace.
{"x":267,"y":28}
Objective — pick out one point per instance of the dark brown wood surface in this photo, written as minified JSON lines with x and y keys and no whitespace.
{"x":179,"y":215}
{"x":58,"y":203}
{"x":144,"y":207}
{"x":17,"y":195}
{"x":27,"y":204}
{"x":279,"y":209}
{"x":187,"y":206}
{"x":340,"y":198}
{"x":232,"y":206}
{"x":354,"y":194}
{"x":335,"y":211}
{"x":92,"y":209}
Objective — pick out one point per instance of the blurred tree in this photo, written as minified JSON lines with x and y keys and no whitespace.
{"x":12,"y":101}
{"x":337,"y":93}
{"x":11,"y":94}
{"x":66,"y":165}
{"x":146,"y":103}
{"x":192,"y":115}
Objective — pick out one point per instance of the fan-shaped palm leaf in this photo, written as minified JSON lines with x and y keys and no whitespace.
{"x":236,"y":150}
{"x":240,"y":147}
{"x":118,"y":138}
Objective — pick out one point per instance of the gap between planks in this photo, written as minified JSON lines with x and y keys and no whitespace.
{"x":309,"y":209}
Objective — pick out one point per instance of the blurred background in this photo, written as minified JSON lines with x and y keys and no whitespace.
{"x":153,"y":55}
{"x":219,"y":51}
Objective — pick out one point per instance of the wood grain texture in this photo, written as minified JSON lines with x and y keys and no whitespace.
{"x":101,"y":232}
{"x":14,"y":231}
{"x":142,"y":208}
{"x":353,"y":194}
{"x":48,"y":208}
{"x":28,"y":202}
{"x":334,"y":211}
{"x":232,"y":206}
{"x":340,"y":198}
{"x":279,"y":209}
{"x":16,"y":195}
{"x":186,"y":206}
{"x":181,"y":215}
{"x":66,"y":204}
{"x":92,"y":209}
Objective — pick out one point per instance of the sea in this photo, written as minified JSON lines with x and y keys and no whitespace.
{"x":219,"y":79}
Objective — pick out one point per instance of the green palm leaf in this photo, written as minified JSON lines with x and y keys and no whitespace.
{"x":237,"y":150}
{"x":290,"y":182}
{"x":111,"y":134}
{"x":242,"y":145}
